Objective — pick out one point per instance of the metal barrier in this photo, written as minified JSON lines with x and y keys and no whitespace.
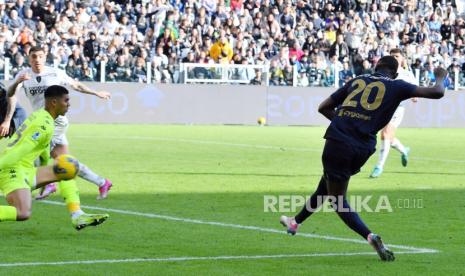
{"x":220,"y":73}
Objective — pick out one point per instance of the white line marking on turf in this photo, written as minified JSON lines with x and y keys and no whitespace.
{"x":183,"y":259}
{"x":209,"y":142}
{"x":238,"y":226}
{"x":205,"y":142}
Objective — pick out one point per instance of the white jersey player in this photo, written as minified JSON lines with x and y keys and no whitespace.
{"x":34,"y":82}
{"x":388,"y":138}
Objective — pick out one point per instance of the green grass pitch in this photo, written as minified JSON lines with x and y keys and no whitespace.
{"x":190,"y":200}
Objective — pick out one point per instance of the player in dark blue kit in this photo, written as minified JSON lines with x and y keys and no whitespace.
{"x":357,"y":111}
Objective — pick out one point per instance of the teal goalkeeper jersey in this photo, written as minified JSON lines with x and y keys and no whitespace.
{"x":31,"y":140}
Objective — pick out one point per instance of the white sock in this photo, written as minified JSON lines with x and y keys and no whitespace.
{"x":87,"y":174}
{"x":76,"y":214}
{"x":398,"y":145}
{"x":383,"y":152}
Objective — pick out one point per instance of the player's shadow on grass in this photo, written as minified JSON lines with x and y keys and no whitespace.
{"x":226,"y":174}
{"x":424,"y":173}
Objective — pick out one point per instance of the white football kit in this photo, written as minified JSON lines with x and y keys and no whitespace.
{"x":407,"y":76}
{"x":35,"y":88}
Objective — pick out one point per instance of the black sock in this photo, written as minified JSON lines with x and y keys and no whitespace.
{"x":351,"y":218}
{"x":313,"y":202}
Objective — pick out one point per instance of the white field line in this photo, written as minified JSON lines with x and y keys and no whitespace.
{"x":265,"y":147}
{"x":184,"y":259}
{"x":201,"y":142}
{"x":245,"y":227}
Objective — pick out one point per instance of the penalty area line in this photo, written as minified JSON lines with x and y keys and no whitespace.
{"x":239,"y":226}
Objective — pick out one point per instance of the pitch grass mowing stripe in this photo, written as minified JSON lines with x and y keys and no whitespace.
{"x":208,"y":258}
{"x":238,"y":226}
{"x":266,"y":147}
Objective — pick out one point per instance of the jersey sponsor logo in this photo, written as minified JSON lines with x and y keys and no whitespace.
{"x":354,"y":115}
{"x":37,"y":90}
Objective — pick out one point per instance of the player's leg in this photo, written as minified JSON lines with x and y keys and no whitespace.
{"x":337,"y":189}
{"x":386,"y":137}
{"x":395,"y":143}
{"x":69,"y":191}
{"x":20,"y":200}
{"x":18,"y":195}
{"x":337,"y":195}
{"x":61,"y":147}
{"x":313,"y":203}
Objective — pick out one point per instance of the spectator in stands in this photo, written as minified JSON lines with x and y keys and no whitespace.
{"x":302,"y":79}
{"x":72,"y":70}
{"x":257,"y":80}
{"x":12,"y":52}
{"x":257,"y":31}
{"x":339,"y":48}
{"x":77,"y":58}
{"x":367,"y":69}
{"x":288,"y":75}
{"x":345,"y":74}
{"x":18,"y":65}
{"x":120,"y":71}
{"x":87,"y":73}
{"x":29,"y":20}
{"x":40,"y":34}
{"x":13,"y":21}
{"x":47,"y":15}
{"x":327,"y":79}
{"x":139,"y":72}
{"x":91,"y":48}
{"x":221,"y":49}
{"x":276,"y":74}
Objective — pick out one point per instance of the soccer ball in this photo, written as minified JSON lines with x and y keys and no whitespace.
{"x":65,"y":167}
{"x":261,"y":121}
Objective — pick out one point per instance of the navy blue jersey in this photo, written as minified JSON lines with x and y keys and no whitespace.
{"x":365,"y":105}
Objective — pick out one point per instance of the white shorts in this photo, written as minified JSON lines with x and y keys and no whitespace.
{"x":398,"y":116}
{"x":59,"y":136}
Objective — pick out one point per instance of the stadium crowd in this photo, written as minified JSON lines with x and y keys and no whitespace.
{"x":317,"y":37}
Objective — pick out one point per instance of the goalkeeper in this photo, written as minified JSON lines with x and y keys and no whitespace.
{"x":18,"y":176}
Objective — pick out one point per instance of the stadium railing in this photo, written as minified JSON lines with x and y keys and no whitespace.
{"x":220,"y":73}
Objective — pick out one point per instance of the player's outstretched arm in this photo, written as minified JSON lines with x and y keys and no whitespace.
{"x":435,"y":92}
{"x":10,"y":110}
{"x":80,"y":87}
{"x":17,"y":83}
{"x":328,"y":108}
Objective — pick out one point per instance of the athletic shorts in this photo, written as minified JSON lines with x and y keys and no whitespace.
{"x":341,"y":160}
{"x":19,"y":116}
{"x":59,"y":136}
{"x":12,"y":179}
{"x":398,"y":116}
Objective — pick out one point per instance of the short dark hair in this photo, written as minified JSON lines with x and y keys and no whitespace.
{"x":388,"y":63}
{"x":395,"y":51}
{"x":36,"y":49}
{"x":55,"y":91}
